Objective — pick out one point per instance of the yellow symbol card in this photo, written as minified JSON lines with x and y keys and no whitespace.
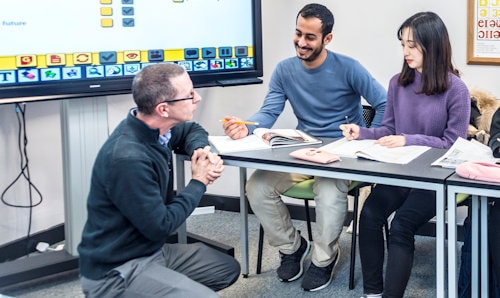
{"x":132,"y":56}
{"x":82,"y":58}
{"x":106,"y":23}
{"x":55,"y":59}
{"x":26,"y":61}
{"x":106,"y":11}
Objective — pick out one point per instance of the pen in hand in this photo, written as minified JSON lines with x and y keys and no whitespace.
{"x":347,"y":122}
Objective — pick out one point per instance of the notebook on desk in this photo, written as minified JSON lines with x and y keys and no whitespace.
{"x":369,"y":150}
{"x":263,"y":138}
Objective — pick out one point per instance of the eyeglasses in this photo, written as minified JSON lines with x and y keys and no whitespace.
{"x":176,"y":99}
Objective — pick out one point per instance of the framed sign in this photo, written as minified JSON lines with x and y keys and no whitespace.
{"x":483,"y":32}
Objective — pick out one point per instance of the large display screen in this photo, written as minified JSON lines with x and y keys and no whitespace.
{"x":53,"y":49}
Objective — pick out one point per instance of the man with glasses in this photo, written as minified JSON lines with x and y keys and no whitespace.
{"x":132,"y":208}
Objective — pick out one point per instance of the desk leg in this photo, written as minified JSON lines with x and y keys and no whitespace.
{"x":484,"y":246}
{"x":181,"y":184}
{"x":440,"y":240}
{"x":452,"y":241}
{"x":475,"y":245}
{"x":244,"y":222}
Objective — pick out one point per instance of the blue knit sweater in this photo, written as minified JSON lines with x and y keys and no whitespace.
{"x":322,"y":97}
{"x":129,"y":214}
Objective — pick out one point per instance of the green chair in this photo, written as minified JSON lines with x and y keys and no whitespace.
{"x":304,"y":191}
{"x":461,"y":197}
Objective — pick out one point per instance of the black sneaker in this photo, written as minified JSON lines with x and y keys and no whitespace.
{"x":317,"y":278}
{"x":292,"y":266}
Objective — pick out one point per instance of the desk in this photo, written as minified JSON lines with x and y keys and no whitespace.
{"x":417,"y":174}
{"x":480,"y":192}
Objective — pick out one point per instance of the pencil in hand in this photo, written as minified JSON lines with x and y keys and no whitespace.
{"x":240,"y":122}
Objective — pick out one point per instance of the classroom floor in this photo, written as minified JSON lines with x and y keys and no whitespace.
{"x":422,"y":282}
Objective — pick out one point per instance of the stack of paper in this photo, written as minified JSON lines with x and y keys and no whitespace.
{"x":225,"y":144}
{"x":464,"y":150}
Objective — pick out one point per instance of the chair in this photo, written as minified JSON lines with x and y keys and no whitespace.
{"x":304,"y":191}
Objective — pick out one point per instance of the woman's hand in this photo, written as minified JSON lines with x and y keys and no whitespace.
{"x":392,"y":141}
{"x":350,"y":131}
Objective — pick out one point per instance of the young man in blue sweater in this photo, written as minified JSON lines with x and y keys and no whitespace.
{"x":131,"y":206}
{"x":323,"y":89}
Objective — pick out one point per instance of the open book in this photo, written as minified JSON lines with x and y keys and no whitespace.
{"x":463,"y":150}
{"x":285,"y":137}
{"x":369,"y":150}
{"x":263,"y":138}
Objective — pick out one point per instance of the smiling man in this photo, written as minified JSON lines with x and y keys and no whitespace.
{"x":323,"y":89}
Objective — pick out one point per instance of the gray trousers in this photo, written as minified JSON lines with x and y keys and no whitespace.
{"x":264,"y":189}
{"x":177,"y":270}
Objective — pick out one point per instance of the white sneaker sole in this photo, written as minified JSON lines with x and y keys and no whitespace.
{"x":332,"y":274}
{"x":302,"y":259}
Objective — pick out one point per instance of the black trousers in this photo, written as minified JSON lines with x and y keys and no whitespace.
{"x":413,"y":208}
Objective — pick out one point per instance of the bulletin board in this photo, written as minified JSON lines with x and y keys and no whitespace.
{"x":483,"y":32}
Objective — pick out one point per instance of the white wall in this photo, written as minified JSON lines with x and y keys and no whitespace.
{"x":365,"y":30}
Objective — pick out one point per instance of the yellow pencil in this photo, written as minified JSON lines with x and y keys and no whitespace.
{"x":241,"y":122}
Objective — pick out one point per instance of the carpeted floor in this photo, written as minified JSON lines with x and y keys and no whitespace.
{"x":224,"y":227}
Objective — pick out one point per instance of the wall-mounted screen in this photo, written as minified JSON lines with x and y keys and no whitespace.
{"x":66,"y":48}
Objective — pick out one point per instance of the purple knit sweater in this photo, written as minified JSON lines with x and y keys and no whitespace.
{"x":435,"y":121}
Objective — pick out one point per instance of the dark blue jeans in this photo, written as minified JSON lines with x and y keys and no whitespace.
{"x":414,"y":208}
{"x":464,"y":279}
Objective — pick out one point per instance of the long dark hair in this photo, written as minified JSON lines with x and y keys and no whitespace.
{"x":430,"y":33}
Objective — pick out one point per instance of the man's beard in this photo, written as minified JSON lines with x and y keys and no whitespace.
{"x":313,"y":55}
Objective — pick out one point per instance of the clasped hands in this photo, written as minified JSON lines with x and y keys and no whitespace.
{"x":206,"y":166}
{"x":351,"y":132}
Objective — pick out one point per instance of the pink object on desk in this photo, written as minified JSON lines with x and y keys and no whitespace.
{"x":479,"y":171}
{"x":315,"y":155}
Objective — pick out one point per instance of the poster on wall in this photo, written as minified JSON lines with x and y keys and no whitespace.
{"x":483,"y":32}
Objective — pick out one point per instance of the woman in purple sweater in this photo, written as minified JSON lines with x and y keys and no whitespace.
{"x":427,"y":104}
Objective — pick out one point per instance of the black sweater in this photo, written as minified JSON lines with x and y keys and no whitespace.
{"x":129,"y":212}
